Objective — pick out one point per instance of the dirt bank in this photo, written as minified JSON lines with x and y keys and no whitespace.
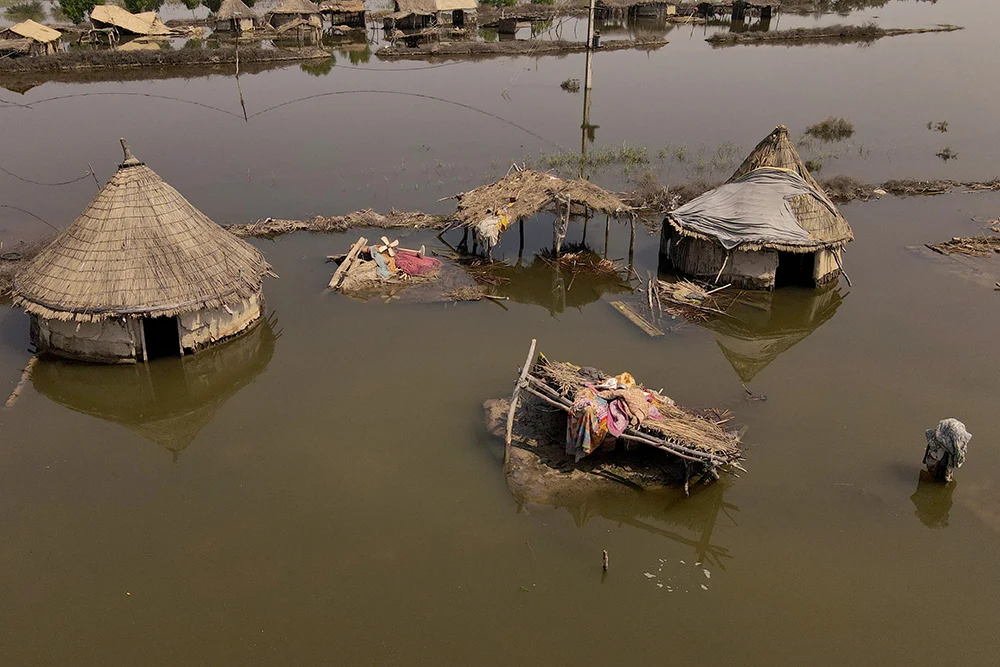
{"x":74,"y":61}
{"x":270,"y":227}
{"x":531,"y":47}
{"x":835,"y":34}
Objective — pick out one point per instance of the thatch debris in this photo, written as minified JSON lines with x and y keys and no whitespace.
{"x":534,"y":47}
{"x":270,"y":227}
{"x":975,"y":246}
{"x":684,"y":436}
{"x":838,"y":34}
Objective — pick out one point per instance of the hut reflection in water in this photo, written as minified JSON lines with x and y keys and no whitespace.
{"x":167,"y":401}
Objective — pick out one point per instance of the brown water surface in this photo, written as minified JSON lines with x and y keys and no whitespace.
{"x":323,"y":491}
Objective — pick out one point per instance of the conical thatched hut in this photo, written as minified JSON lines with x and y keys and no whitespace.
{"x":289,"y":11}
{"x":141,"y":273}
{"x":234,"y":16}
{"x":769,"y":225}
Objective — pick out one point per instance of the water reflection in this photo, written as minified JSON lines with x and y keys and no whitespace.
{"x":932,"y":501}
{"x":168,"y":401}
{"x":557,"y":287}
{"x":763,"y":325}
{"x":690,"y":521}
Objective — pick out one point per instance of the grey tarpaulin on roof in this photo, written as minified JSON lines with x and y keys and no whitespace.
{"x":751,"y":209}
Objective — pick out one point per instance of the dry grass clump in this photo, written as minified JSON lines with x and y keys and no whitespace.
{"x":832,"y":129}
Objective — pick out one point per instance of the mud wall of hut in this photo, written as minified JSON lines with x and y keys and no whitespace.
{"x":826,"y":269}
{"x":703,"y":259}
{"x":204,"y":327}
{"x":108,"y":341}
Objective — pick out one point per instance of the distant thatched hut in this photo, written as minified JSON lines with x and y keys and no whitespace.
{"x":423,"y":13}
{"x":140,"y":273}
{"x":234,"y":16}
{"x":344,"y":12}
{"x":769,"y":225}
{"x":289,"y":11}
{"x":42,"y":39}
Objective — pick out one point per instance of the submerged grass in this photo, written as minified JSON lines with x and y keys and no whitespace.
{"x":831,"y":130}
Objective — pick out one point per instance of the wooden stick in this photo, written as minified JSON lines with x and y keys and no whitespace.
{"x":605,"y":560}
{"x":721,"y":269}
{"x":25,"y":376}
{"x":528,"y":363}
{"x":341,"y":271}
{"x":836,"y":256}
{"x":636,"y":319}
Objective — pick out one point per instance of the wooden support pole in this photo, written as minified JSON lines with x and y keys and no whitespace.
{"x":520,"y":245}
{"x":631,"y":243}
{"x":607,"y":234}
{"x":25,"y":376}
{"x":721,"y":269}
{"x":528,"y":363}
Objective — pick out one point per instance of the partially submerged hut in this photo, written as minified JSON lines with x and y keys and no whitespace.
{"x":344,"y":12}
{"x":43,"y":40}
{"x":770,"y":224}
{"x":140,"y":273}
{"x":490,"y":209}
{"x":290,"y":11}
{"x":615,"y":8}
{"x":235,"y":16}
{"x":113,"y":16}
{"x":420,"y":14}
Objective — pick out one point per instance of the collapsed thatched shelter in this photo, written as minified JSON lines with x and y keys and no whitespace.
{"x":344,"y":12}
{"x":140,"y":273}
{"x":234,"y":16}
{"x":289,"y":11}
{"x":770,"y":224}
{"x":612,"y":8}
{"x":606,"y":416}
{"x":113,"y":16}
{"x":522,"y":194}
{"x":42,"y":39}
{"x":418,"y":14}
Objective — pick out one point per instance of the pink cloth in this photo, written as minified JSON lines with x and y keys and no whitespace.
{"x":413,"y":264}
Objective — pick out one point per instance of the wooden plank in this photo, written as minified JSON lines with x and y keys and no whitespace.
{"x":341,"y":271}
{"x":528,"y":363}
{"x":636,"y":319}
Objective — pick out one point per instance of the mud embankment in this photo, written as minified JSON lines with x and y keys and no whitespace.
{"x":526,"y":47}
{"x":76,"y":61}
{"x":834,"y":34}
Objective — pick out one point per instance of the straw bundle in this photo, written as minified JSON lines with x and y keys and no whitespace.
{"x":139,"y":248}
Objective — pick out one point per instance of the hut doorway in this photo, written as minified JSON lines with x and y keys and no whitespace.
{"x":162,"y":336}
{"x":795,"y":269}
{"x":458,"y":18}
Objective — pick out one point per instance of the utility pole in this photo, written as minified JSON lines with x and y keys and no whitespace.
{"x":586,"y":129}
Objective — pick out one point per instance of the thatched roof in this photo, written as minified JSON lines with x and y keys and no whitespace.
{"x":527,"y":193}
{"x":145,"y":23}
{"x":36,"y":31}
{"x":230,"y":8}
{"x":815,"y":214}
{"x":139,"y":248}
{"x":434,"y":6}
{"x":295,"y":7}
{"x":21,"y":46}
{"x":346,"y":6}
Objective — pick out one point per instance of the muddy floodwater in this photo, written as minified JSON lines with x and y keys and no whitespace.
{"x":324,"y":491}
